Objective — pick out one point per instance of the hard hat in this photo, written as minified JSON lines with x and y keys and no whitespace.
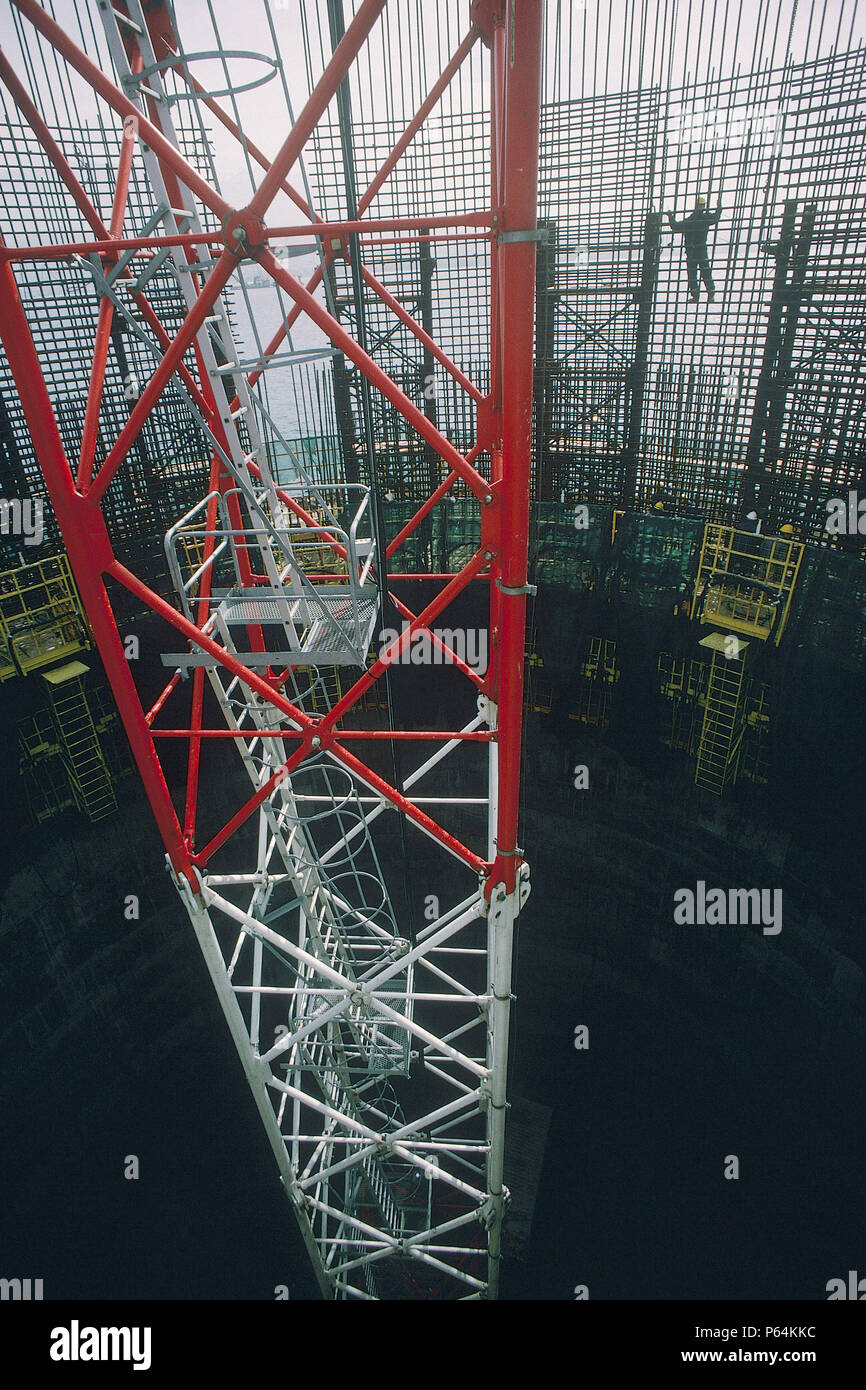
{"x":701,"y":202}
{"x":787,"y":529}
{"x":658,"y":506}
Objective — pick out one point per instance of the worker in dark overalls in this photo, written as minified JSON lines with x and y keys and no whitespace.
{"x":694,"y":229}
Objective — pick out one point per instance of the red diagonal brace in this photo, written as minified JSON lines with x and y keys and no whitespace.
{"x":213,"y":287}
{"x":347,"y":344}
{"x":89,"y":550}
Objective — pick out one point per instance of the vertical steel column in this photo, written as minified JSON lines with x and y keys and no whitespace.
{"x":345,"y":415}
{"x":779,"y":387}
{"x":638,"y":370}
{"x":514,"y":255}
{"x":515,"y":252}
{"x":755,"y":476}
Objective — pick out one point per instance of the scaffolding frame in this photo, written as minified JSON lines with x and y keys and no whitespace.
{"x":639,"y":392}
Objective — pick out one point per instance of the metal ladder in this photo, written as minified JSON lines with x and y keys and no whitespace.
{"x":79,"y":742}
{"x":722,"y":730}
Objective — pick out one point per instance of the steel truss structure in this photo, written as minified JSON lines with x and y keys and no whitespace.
{"x":376,"y":1053}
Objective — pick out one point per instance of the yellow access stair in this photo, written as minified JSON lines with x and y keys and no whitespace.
{"x":79,"y":742}
{"x":724,"y":714}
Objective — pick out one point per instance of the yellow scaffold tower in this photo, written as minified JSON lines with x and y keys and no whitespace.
{"x":743,"y":590}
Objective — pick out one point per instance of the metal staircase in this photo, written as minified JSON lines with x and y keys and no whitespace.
{"x":311,"y":617}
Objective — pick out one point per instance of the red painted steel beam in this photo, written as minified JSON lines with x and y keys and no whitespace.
{"x":162,"y":699}
{"x":145,"y":246}
{"x":410,"y":238}
{"x":438,"y":645}
{"x":481,"y":217}
{"x":383,"y":383}
{"x":108,"y":245}
{"x":516,"y":307}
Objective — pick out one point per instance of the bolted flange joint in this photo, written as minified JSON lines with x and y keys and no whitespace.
{"x":244,"y":234}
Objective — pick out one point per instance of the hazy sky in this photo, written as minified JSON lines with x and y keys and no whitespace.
{"x":593,"y":46}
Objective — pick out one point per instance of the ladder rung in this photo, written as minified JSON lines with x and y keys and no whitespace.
{"x":130,"y":23}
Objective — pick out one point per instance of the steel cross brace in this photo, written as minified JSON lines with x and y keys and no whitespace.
{"x":511,"y":29}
